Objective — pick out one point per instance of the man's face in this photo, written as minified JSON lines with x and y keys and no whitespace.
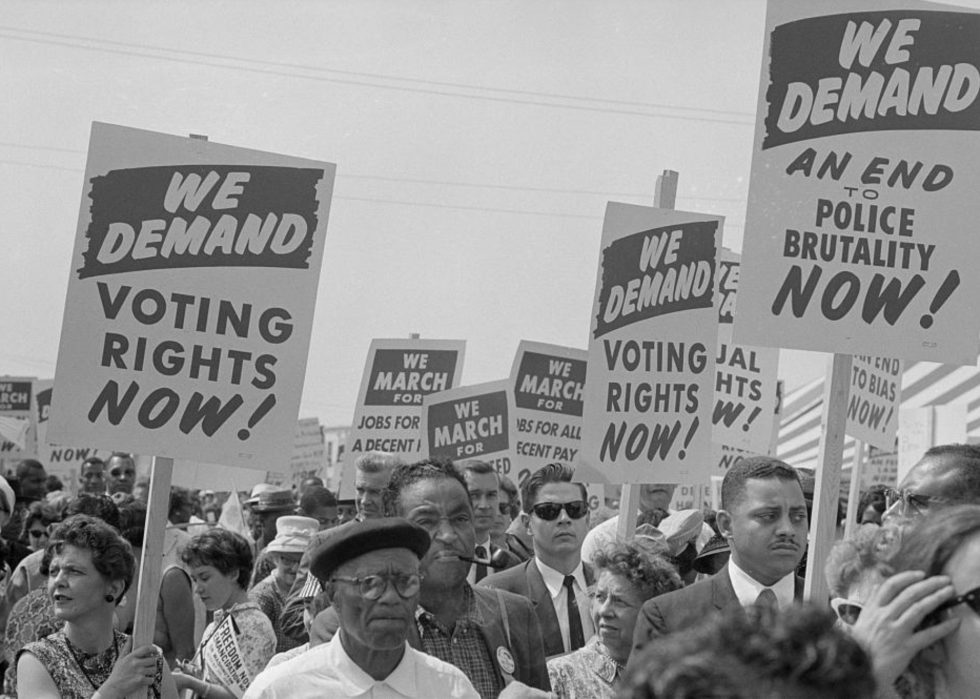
{"x":326,"y":516}
{"x":484,"y":494}
{"x":559,"y":539}
{"x":122,"y":475}
{"x":656,"y":496}
{"x":93,"y":478}
{"x":269,"y":524}
{"x":33,"y":484}
{"x":345,"y":513}
{"x":767,"y":528}
{"x":368,"y":487}
{"x":441,"y":506}
{"x":926,"y":488}
{"x":381,"y":624}
{"x":182,"y":513}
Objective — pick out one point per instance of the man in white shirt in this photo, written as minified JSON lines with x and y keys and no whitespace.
{"x":556,"y":513}
{"x":764,"y":519}
{"x":370,"y":573}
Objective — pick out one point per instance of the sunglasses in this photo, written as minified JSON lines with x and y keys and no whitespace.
{"x":846,"y":610}
{"x":550,"y":511}
{"x":911,"y":500}
{"x":38,"y":533}
{"x":373,"y":586}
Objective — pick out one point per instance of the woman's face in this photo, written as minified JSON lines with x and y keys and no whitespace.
{"x":962,"y":668}
{"x":287,"y":565}
{"x":76,"y":588}
{"x":37,"y":534}
{"x":615,"y":606}
{"x":216,"y":590}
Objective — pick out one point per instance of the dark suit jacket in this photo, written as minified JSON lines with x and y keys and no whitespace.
{"x":524,"y":640}
{"x":684,"y":608}
{"x":525,"y":580}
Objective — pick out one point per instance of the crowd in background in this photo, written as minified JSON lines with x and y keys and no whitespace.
{"x":450,"y":577}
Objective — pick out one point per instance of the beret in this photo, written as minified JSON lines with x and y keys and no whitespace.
{"x":353,"y":539}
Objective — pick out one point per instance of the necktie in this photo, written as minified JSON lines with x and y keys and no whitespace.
{"x":576,"y":637}
{"x":481,"y":569}
{"x":767,"y":598}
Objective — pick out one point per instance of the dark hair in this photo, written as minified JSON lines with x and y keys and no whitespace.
{"x":556,"y":472}
{"x":54,"y":483}
{"x":475,"y":466}
{"x":754,"y":467}
{"x":652,"y":574}
{"x":27,"y":465}
{"x":409,"y":474}
{"x":964,"y":460}
{"x":873,"y":496}
{"x":40,"y":510}
{"x":758,"y":652}
{"x":507,"y":486}
{"x":95,"y":505}
{"x":112,"y":555}
{"x":92,"y":460}
{"x":132,"y":522}
{"x":316,"y":496}
{"x":222,"y":549}
{"x":179,"y":498}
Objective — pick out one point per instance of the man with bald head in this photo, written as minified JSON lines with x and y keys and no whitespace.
{"x":948,"y":474}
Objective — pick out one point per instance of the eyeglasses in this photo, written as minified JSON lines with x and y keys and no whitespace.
{"x":549,"y":511}
{"x":846,"y":610}
{"x":38,"y":533}
{"x":909,"y":499}
{"x":373,"y":586}
{"x":971,"y":599}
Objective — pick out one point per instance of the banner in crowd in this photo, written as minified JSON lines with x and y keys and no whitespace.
{"x":190,"y":299}
{"x":649,"y":397}
{"x":398,"y":375}
{"x":222,"y":656}
{"x":18,"y":428}
{"x":863,"y":200}
{"x":548,"y":383}
{"x":471,"y":422}
{"x":745,"y":376}
{"x":307,"y":458}
{"x":873,"y":400}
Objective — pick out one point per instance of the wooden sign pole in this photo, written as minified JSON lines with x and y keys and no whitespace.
{"x":629,"y":500}
{"x":854,"y":492}
{"x":827,"y":494}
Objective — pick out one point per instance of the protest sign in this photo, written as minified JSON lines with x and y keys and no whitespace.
{"x":548,"y":384}
{"x":863,"y":199}
{"x":648,"y":398}
{"x":222,"y":656}
{"x":306,"y":460}
{"x":63,"y":462}
{"x":873,"y":400}
{"x":920,"y":429}
{"x":471,"y":422}
{"x":398,"y":375}
{"x":745,"y":376}
{"x":190,"y":299}
{"x":18,"y":430}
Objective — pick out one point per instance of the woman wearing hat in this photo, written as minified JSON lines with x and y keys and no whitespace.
{"x":266,"y":508}
{"x":285,"y":551}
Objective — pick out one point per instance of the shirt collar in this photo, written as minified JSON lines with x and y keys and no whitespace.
{"x":403,"y":678}
{"x":555,"y":581}
{"x":747,"y":588}
{"x":484,"y":544}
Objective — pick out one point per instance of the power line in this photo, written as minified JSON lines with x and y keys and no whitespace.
{"x":399,"y":88}
{"x":381,"y":76}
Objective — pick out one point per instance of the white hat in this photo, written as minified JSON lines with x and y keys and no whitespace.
{"x":8,"y":494}
{"x":680,"y":527}
{"x":293,"y":534}
{"x":257,"y":490}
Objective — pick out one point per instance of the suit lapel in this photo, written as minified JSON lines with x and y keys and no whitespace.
{"x":538,"y":593}
{"x":722,"y":592}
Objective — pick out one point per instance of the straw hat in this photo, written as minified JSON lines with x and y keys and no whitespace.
{"x":274,"y":501}
{"x":293,"y":534}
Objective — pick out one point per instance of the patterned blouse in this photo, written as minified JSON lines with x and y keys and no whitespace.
{"x":76,"y":674}
{"x":31,"y":619}
{"x":588,"y":673}
{"x":271,"y":600}
{"x":256,"y":637}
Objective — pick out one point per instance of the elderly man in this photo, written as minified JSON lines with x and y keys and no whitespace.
{"x":763,"y":517}
{"x":948,"y":474}
{"x":371,"y":574}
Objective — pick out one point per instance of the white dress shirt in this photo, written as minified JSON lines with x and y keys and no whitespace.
{"x":327,"y":671}
{"x":747,"y":588}
{"x":471,"y":576}
{"x":555,"y":582}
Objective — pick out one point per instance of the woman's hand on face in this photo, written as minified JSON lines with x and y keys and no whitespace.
{"x":888,"y":627}
{"x":133,"y":671}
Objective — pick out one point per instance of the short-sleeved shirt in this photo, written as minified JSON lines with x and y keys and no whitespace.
{"x":270,"y":599}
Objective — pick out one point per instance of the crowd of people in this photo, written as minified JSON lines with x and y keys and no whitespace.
{"x":444,"y":579}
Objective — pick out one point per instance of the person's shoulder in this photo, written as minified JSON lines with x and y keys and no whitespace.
{"x":507,"y":579}
{"x":512,"y":600}
{"x":441,"y":676}
{"x":702,"y":589}
{"x":313,"y":660}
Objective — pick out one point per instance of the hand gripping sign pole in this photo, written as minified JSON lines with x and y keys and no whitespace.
{"x":629,"y":499}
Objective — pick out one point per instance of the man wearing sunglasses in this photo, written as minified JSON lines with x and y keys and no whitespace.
{"x":371,"y":575}
{"x":948,"y":474}
{"x":556,"y":514}
{"x":484,"y":489}
{"x":764,"y":519}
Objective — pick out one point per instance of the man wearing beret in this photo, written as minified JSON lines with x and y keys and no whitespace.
{"x":493,"y":636}
{"x":371,"y":574}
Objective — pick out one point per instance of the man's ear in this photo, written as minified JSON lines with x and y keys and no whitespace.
{"x":526,"y":521}
{"x":723,"y":519}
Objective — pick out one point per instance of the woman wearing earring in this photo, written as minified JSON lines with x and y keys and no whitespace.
{"x":91,"y":568}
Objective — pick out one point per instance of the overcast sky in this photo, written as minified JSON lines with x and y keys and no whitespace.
{"x":477,"y":144}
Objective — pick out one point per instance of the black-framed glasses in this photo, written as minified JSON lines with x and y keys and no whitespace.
{"x":971,"y":599}
{"x":373,"y":586}
{"x":914,"y":500}
{"x":846,"y":610}
{"x":549,"y":511}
